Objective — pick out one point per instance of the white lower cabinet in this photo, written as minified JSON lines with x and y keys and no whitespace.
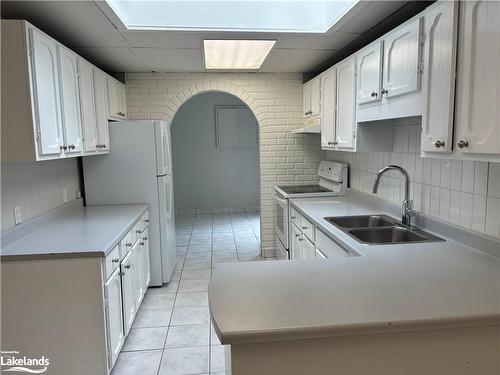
{"x":114,"y":316}
{"x":128,"y":291}
{"x":146,"y":270}
{"x":308,"y":249}
{"x":328,"y":247}
{"x":295,"y":243}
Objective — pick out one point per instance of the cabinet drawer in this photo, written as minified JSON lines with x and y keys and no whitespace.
{"x":112,"y":261}
{"x":328,"y":247}
{"x":126,"y":244}
{"x":307,"y":228}
{"x":295,"y":216}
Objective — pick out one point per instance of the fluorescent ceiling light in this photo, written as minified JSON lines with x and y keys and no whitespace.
{"x":236,"y":54}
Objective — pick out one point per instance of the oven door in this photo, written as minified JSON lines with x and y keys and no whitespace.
{"x":281,"y":218}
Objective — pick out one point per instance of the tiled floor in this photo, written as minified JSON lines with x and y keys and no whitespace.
{"x":172,"y":333}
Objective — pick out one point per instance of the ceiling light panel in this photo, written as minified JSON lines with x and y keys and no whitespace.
{"x":236,"y":54}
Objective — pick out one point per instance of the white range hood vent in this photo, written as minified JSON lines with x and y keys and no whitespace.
{"x":311,"y":126}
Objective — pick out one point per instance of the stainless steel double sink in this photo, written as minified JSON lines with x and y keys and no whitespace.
{"x":380,"y":230}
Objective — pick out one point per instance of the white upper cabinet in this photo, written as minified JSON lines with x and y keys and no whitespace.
{"x":70,"y":99}
{"x":346,"y":104}
{"x":311,"y":98}
{"x":402,"y":60}
{"x":46,"y":97}
{"x":477,"y":125}
{"x":328,"y":104}
{"x":116,"y":99}
{"x":101,"y":109}
{"x":369,"y":73}
{"x":438,"y":83}
{"x":89,"y":121}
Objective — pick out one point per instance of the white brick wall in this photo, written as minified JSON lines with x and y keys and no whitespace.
{"x":275,"y":99}
{"x":466,"y":193}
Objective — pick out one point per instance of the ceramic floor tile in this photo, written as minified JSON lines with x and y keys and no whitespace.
{"x":192,"y":299}
{"x":152,"y":318}
{"x":171,"y":287}
{"x":191,"y":264}
{"x":138,"y":363}
{"x":193,"y":285}
{"x":185,"y":361}
{"x":187,"y":336}
{"x":158,"y":301}
{"x":190,"y":315}
{"x":196,"y":274}
{"x":145,"y":339}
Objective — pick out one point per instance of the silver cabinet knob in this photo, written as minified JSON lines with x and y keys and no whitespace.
{"x":128,"y":244}
{"x":104,"y":145}
{"x":383,"y":91}
{"x":63,"y":147}
{"x":127,"y":266}
{"x":146,"y":221}
{"x":297,"y":235}
{"x":335,"y":143}
{"x":304,"y":227}
{"x":439,"y":144}
{"x":116,"y":260}
{"x":294,"y":217}
{"x":144,"y":238}
{"x":71,"y":147}
{"x":138,"y":231}
{"x":301,"y":239}
{"x":331,"y":143}
{"x":463,"y":144}
{"x":141,"y":243}
{"x":373,"y":94}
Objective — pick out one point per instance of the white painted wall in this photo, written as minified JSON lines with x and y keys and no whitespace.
{"x":36,"y":187}
{"x":466,"y":193}
{"x":206,"y":177}
{"x":276,"y":101}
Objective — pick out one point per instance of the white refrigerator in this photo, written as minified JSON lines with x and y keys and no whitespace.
{"x":138,"y":169}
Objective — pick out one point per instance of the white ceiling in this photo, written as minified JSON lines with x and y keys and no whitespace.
{"x":91,"y":30}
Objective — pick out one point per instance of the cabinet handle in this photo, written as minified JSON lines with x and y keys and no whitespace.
{"x":463,"y":144}
{"x":294,"y":217}
{"x":116,"y":260}
{"x":301,"y":239}
{"x":335,"y":143}
{"x":304,"y":227}
{"x":128,"y":244}
{"x":138,"y":231}
{"x":71,"y":147}
{"x":127,"y":266}
{"x":439,"y":144}
{"x":121,"y":273}
{"x":383,"y":91}
{"x":145,"y":238}
{"x":146,"y":221}
{"x":63,"y":148}
{"x":373,"y":94}
{"x":104,"y":145}
{"x":297,"y":235}
{"x":141,"y":243}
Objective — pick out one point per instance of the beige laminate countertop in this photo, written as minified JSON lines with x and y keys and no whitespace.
{"x":388,"y":288}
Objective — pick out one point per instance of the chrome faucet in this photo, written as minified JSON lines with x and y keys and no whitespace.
{"x":407,"y":209}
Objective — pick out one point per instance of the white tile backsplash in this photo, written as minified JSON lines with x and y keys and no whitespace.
{"x":466,"y":193}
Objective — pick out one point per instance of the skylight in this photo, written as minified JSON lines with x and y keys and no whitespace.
{"x":298,"y":16}
{"x":236,"y":54}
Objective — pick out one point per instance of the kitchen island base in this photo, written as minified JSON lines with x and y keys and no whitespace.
{"x":456,"y":351}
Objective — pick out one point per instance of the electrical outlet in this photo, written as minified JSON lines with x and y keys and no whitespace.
{"x":65,"y":195}
{"x":17,"y":215}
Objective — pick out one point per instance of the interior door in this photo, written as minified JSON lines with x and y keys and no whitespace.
{"x":346,"y":104}
{"x":89,"y":121}
{"x":369,"y":78}
{"x":114,"y":316}
{"x":101,"y":109}
{"x":329,"y":101}
{"x":128,"y":291}
{"x":70,"y":98}
{"x":438,"y":81}
{"x":478,"y":79}
{"x":47,"y":99}
{"x":402,"y":54}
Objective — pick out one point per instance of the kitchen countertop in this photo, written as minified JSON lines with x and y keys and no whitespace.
{"x":388,"y":288}
{"x":91,"y":231}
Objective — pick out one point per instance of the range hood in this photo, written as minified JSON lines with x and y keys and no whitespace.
{"x":311,"y":126}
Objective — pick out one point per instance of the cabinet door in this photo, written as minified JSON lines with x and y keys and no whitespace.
{"x":308,"y":249}
{"x":346,"y":104}
{"x":89,"y":120}
{"x":306,"y":98}
{"x":112,"y":98}
{"x":46,"y":95}
{"x":137,"y":267}
{"x":122,"y":101}
{"x":70,"y":100}
{"x":146,"y":271}
{"x":128,"y":291}
{"x":369,"y":77}
{"x":438,"y":81}
{"x":402,"y":53}
{"x":101,"y":102}
{"x":478,"y":78}
{"x":114,"y":316}
{"x":329,"y":101}
{"x":296,"y":243}
{"x":316,"y":97}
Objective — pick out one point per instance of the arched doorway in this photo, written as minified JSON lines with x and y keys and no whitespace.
{"x":216,"y":166}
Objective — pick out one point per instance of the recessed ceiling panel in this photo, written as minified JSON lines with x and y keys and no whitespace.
{"x":171,"y":59}
{"x":294,"y":60}
{"x":336,"y":40}
{"x":114,"y":59}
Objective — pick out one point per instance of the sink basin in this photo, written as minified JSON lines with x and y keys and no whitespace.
{"x":387,"y":235}
{"x":364,"y":221}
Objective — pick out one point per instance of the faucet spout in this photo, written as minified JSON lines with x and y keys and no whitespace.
{"x":407,"y":208}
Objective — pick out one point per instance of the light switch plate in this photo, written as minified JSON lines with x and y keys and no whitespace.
{"x":65,"y":195}
{"x":17,"y":215}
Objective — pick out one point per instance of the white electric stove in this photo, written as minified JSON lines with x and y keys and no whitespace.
{"x":332,"y":182}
